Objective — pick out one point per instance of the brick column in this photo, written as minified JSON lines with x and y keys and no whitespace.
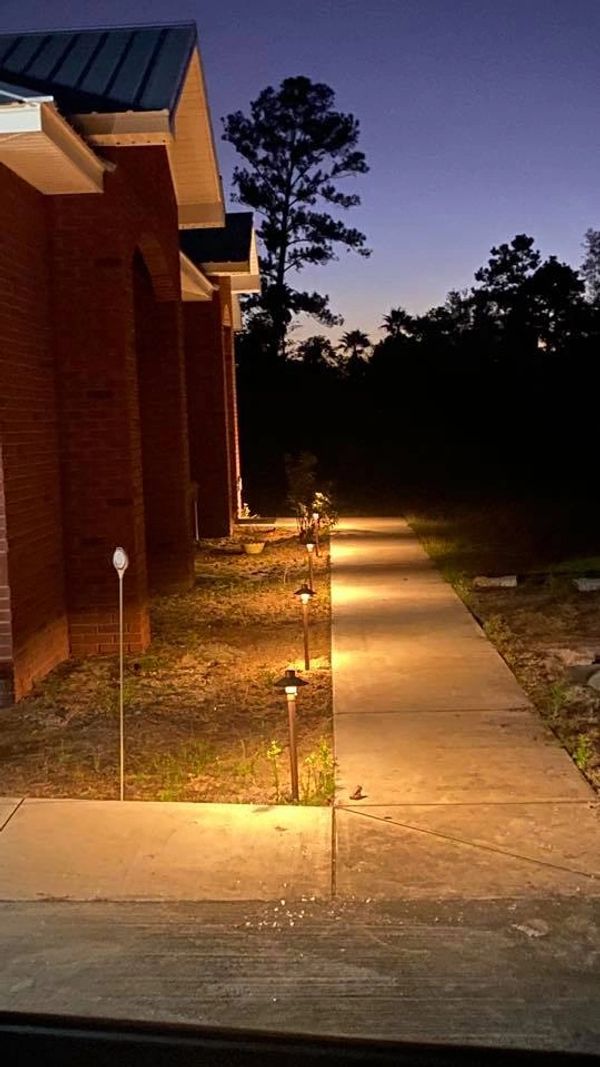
{"x":164,"y":425}
{"x":33,"y":624}
{"x":94,"y":337}
{"x":6,"y":647}
{"x":209,"y":430}
{"x":232,"y":418}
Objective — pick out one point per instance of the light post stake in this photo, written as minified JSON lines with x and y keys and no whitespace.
{"x":291,"y":704}
{"x":305,"y":595}
{"x":120,"y":563}
{"x":305,"y":628}
{"x":310,"y":548}
{"x":316,"y":519}
{"x":290,"y":683}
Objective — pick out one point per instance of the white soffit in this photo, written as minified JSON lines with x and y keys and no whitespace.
{"x":194,"y":284}
{"x":188,"y":139}
{"x":193,"y":157}
{"x":125,"y":127}
{"x":39,"y":146}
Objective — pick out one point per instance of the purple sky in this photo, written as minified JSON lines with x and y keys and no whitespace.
{"x":479,"y":118}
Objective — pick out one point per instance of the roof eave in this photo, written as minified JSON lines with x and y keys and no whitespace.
{"x":38,"y":145}
{"x":195,"y":286}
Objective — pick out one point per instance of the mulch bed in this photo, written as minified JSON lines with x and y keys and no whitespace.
{"x":203,"y":721}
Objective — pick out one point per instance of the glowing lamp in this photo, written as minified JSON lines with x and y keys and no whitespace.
{"x":290,"y":683}
{"x":305,"y":594}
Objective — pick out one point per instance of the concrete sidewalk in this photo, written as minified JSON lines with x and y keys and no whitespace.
{"x":466,"y":794}
{"x":133,"y":850}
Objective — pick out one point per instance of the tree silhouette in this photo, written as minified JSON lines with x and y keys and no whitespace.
{"x":397,"y":322}
{"x":355,"y":345}
{"x":297,"y":149}
{"x":317,"y":351}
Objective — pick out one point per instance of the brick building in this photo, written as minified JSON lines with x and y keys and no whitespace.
{"x":119,"y":282}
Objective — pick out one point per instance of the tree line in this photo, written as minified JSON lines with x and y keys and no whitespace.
{"x":492,"y":391}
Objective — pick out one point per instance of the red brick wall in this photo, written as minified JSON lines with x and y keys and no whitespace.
{"x":232,"y":418}
{"x":95,"y":240}
{"x":31,"y":552}
{"x":208,"y":403}
{"x":165,"y":453}
{"x":73,"y":468}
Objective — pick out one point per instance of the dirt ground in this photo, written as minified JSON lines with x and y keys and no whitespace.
{"x":544,"y":625}
{"x":203,"y":721}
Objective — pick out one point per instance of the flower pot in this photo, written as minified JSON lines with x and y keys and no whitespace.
{"x":254,"y":548}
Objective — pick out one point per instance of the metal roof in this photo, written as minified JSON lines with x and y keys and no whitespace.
{"x":11,"y":94}
{"x":231,"y":243}
{"x":110,"y":70}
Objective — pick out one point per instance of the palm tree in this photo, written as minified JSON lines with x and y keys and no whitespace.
{"x":355,"y":345}
{"x":316,"y":351}
{"x":397,"y":323}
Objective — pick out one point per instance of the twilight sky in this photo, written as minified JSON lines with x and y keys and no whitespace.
{"x":479,"y":119}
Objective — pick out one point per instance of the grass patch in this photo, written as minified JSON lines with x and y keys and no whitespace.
{"x":543,"y":625}
{"x":200,"y":709}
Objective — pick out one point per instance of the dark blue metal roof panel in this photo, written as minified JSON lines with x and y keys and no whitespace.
{"x":10,"y":93}
{"x":227,"y":244}
{"x":122,"y":69}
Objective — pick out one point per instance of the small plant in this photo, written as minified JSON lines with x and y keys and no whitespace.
{"x":583,"y":751}
{"x":498,"y":632}
{"x":273,"y":753}
{"x":318,"y":783}
{"x":556,"y":699}
{"x":170,"y":794}
{"x":322,"y":505}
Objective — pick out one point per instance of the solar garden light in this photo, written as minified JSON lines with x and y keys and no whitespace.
{"x":120,"y":563}
{"x":291,"y":683}
{"x":305,"y":595}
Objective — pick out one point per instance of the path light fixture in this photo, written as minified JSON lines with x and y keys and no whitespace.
{"x":305,"y":595}
{"x":120,"y":562}
{"x":291,"y":683}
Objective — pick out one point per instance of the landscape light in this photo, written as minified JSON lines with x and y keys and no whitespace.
{"x":305,"y":595}
{"x":120,"y":562}
{"x":290,"y":683}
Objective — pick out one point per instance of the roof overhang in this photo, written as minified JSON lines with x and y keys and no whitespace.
{"x":244,"y":274}
{"x":194,"y":283}
{"x":188,"y":138}
{"x":39,"y":146}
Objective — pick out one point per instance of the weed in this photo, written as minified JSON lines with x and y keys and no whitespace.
{"x":196,"y":755}
{"x":245,"y":767}
{"x":169,"y":794}
{"x":583,"y":752}
{"x":318,"y":783}
{"x":273,"y":753}
{"x":556,"y":698}
{"x":498,"y":631}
